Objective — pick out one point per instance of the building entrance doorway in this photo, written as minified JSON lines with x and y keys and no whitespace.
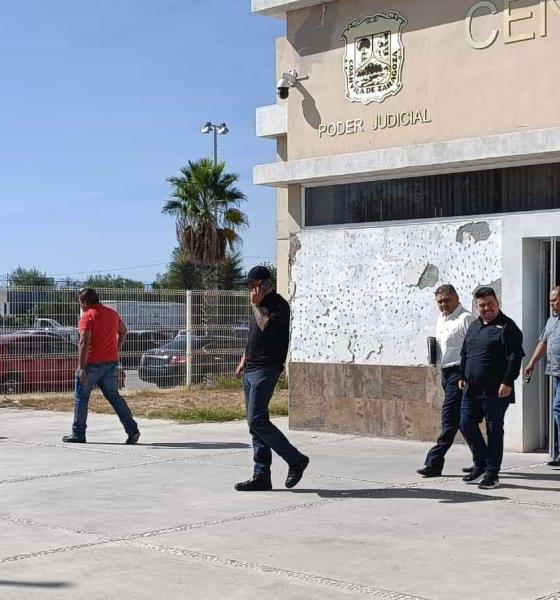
{"x":549,"y":278}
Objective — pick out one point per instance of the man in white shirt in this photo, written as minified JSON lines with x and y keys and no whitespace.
{"x":451,"y":328}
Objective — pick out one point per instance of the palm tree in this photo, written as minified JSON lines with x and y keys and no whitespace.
{"x":205,"y":203}
{"x":181,"y":274}
{"x":229,"y":272}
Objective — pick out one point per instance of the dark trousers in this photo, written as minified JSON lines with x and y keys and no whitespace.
{"x":450,"y":418}
{"x":259,"y":386}
{"x":487,"y":456}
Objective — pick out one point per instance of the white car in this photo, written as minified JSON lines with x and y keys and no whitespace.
{"x":70,"y":333}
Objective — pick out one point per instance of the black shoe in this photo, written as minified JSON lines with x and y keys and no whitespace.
{"x":72,"y":439}
{"x":468,"y":469}
{"x":490,"y":482}
{"x":132,"y":437}
{"x":256,"y":484}
{"x":474,"y":475}
{"x":295,"y":472}
{"x":429,"y":472}
{"x":555,"y":462}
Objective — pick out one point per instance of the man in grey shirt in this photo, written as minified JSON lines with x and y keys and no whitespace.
{"x":549,"y":343}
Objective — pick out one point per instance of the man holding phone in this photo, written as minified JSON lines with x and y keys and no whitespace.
{"x":549,"y":344}
{"x":260,"y":367}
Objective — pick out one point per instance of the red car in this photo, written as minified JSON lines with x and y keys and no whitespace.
{"x":38,"y":361}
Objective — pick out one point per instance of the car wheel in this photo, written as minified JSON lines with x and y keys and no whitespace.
{"x":11,"y":384}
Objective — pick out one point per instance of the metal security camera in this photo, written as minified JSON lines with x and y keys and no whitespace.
{"x":286,"y":81}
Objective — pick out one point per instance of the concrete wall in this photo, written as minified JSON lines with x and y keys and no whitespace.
{"x":385,"y":401}
{"x":366,"y":295}
{"x":466,"y":92}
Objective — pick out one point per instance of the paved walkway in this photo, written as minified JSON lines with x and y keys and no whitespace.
{"x":160,"y":520}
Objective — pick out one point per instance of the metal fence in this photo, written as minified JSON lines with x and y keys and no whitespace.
{"x":175,"y":338}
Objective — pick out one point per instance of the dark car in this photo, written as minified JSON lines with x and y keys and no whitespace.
{"x":241,"y":329}
{"x":211,"y":356}
{"x":137,"y":342}
{"x":38,"y":361}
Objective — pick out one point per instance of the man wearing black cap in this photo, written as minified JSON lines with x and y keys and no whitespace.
{"x":261,"y":366}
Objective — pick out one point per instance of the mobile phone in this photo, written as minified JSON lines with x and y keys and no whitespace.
{"x":527,"y":379}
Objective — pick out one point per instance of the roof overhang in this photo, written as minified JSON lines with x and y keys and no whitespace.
{"x":495,"y":151}
{"x":279,"y":8}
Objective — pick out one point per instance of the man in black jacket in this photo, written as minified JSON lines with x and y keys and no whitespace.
{"x":490,"y":363}
{"x":260,"y":367}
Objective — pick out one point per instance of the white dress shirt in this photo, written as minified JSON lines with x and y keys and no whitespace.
{"x":450,"y":334}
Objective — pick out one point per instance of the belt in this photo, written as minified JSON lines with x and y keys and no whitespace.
{"x":450,"y":369}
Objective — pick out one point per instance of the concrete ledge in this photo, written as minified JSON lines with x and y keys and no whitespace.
{"x":495,"y":151}
{"x":272,"y":121}
{"x":279,"y":8}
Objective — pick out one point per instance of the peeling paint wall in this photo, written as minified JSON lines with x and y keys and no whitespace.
{"x":366,"y":295}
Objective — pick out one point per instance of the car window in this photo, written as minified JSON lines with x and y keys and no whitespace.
{"x":31,"y":346}
{"x":61,"y":347}
{"x":177,"y":344}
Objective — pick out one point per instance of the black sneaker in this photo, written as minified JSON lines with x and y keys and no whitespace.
{"x":474,"y":475}
{"x":555,"y":462}
{"x":256,"y":484}
{"x":72,"y":439}
{"x":490,"y":482}
{"x":295,"y":472}
{"x":429,"y":472}
{"x":468,"y":469}
{"x":132,"y":437}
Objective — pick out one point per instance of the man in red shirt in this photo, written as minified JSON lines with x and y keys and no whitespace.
{"x":102,"y":334}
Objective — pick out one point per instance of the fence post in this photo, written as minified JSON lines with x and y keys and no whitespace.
{"x":189,"y":338}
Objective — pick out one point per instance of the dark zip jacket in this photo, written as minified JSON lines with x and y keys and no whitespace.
{"x":491,"y":355}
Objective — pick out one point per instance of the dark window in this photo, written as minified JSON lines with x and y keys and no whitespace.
{"x":61,"y":347}
{"x":452,"y":195}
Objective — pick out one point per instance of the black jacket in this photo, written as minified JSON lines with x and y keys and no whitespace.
{"x":491,"y":355}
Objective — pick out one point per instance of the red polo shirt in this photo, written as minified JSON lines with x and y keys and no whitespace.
{"x":103,"y":322}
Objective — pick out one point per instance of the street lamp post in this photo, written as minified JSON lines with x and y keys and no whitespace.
{"x":220,"y":129}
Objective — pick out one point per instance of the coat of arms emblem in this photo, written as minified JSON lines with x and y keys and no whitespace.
{"x":374,"y":57}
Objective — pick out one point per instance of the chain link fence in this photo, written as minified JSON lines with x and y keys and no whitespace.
{"x":175,"y":338}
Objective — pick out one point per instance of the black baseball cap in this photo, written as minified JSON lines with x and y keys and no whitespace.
{"x":258,"y":272}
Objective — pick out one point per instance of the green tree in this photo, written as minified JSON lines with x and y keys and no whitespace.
{"x":182,"y":274}
{"x":229,"y":272}
{"x":112,"y":281}
{"x":205,"y":204}
{"x":273,"y":271}
{"x":21,"y":277}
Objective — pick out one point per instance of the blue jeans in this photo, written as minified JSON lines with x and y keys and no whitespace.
{"x":259,"y":384}
{"x":450,"y":418}
{"x":103,"y":375}
{"x":556,"y":415}
{"x":486,"y":456}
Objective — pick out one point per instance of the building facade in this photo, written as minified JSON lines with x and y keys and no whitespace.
{"x":420,"y":145}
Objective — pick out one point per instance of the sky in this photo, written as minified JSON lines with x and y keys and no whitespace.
{"x":101,"y":101}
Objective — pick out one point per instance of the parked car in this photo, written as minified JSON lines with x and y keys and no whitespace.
{"x":38,"y":361}
{"x":45,"y":324}
{"x":211,"y":356}
{"x":137,"y":342}
{"x":241,"y":329}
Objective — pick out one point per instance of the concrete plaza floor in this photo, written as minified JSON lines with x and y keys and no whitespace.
{"x":161,"y":520}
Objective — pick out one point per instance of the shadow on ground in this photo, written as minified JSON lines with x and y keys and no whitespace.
{"x":444,"y":496}
{"x":185,"y":445}
{"x":35,"y":584}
